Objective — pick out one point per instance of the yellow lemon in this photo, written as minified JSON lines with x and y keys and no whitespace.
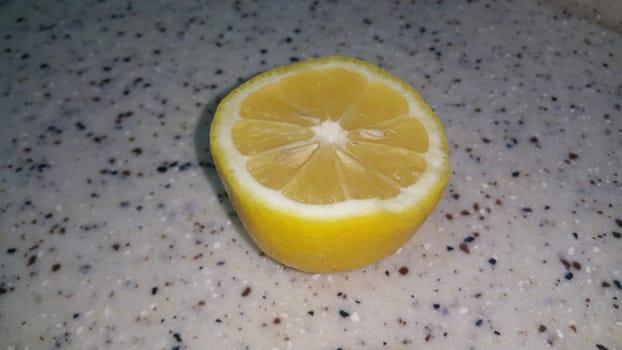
{"x":330,"y":163}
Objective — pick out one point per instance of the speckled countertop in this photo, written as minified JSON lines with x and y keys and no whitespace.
{"x":115,"y":232}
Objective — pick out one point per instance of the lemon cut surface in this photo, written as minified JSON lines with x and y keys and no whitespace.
{"x":331,"y":163}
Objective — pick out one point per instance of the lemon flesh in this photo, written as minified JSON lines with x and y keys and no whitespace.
{"x":330,"y":163}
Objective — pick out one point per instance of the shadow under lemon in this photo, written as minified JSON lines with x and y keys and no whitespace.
{"x":204,"y":159}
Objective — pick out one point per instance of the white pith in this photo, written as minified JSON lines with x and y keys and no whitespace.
{"x":330,"y":132}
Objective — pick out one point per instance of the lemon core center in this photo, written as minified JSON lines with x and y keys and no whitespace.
{"x":330,"y":133}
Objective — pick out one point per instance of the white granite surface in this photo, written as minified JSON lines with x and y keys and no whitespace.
{"x":115,"y":232}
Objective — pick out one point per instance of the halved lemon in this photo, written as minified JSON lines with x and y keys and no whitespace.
{"x":330,"y":163}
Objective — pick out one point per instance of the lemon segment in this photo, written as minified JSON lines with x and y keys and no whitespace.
{"x":330,"y":163}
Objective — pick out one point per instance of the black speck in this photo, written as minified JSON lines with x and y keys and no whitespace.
{"x":450,"y":248}
{"x":31,"y":260}
{"x":618,"y":284}
{"x":492,"y":261}
{"x":80,"y":126}
{"x":469,"y":239}
{"x":569,"y":276}
{"x":343,"y":313}
{"x":154,"y":290}
{"x":11,"y":250}
{"x":162,"y":169}
{"x":479,"y":322}
{"x":601,"y":347}
{"x":177,"y":337}
{"x":184,"y":166}
{"x":436,"y":306}
{"x":515,"y":173}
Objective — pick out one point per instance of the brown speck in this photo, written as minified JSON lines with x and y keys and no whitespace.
{"x":465,"y":213}
{"x":572,"y":156}
{"x":276,"y":320}
{"x":465,"y":248}
{"x":576,"y":265}
{"x":246,"y":291}
{"x":137,"y":151}
{"x":201,"y":303}
{"x":565,"y":263}
{"x":55,"y":267}
{"x":619,"y":222}
{"x":573,"y":327}
{"x":31,"y":260}
{"x":605,"y":284}
{"x":403,"y":270}
{"x":616,"y":234}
